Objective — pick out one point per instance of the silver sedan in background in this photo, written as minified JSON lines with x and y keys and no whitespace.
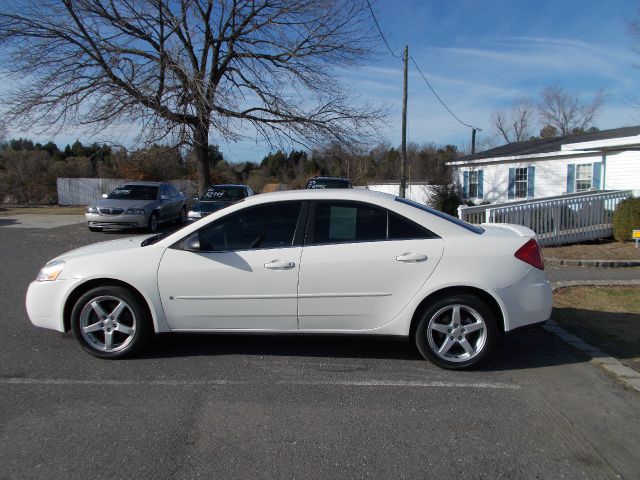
{"x":138,"y":205}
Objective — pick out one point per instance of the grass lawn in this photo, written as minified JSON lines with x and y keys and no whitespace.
{"x":596,"y":250}
{"x":49,"y":210}
{"x":606,"y":317}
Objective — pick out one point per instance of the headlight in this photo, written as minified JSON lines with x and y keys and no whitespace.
{"x":134,"y":211}
{"x":50,"y":272}
{"x":194,"y":214}
{"x":92,"y":209}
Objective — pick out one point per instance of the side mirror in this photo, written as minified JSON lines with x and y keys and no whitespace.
{"x":105,"y":195}
{"x":192,"y":243}
{"x":164,"y":197}
{"x":195,"y":199}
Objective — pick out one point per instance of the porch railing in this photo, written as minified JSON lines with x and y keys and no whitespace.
{"x":556,"y":220}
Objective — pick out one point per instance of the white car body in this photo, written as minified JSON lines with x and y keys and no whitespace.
{"x":352,"y":288}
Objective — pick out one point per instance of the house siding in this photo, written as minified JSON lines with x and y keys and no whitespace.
{"x":622,"y":173}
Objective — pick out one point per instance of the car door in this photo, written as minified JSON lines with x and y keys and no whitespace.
{"x":361,"y":266}
{"x":237,"y":273}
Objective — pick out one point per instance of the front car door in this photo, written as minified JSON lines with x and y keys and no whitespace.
{"x":361,"y":265}
{"x":239,"y":272}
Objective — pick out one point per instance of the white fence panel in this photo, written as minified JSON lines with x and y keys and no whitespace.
{"x":556,"y":220}
{"x":84,"y":191}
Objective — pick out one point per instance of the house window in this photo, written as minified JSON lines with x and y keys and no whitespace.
{"x":584,"y":176}
{"x":521,"y":183}
{"x":473,"y":184}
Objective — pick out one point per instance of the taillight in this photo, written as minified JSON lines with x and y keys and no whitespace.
{"x":530,"y":253}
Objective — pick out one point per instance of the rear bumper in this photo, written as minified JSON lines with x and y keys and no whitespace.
{"x":527,"y":303}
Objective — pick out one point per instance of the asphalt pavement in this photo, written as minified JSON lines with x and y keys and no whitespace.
{"x":221,"y":406}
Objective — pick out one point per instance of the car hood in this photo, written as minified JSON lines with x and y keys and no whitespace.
{"x":112,"y":203}
{"x":104,"y":247}
{"x":209,"y":207}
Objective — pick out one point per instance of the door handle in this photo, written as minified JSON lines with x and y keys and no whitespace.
{"x":411,"y":257}
{"x":279,"y":265}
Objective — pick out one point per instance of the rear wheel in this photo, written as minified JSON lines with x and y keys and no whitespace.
{"x":110,"y":322}
{"x":456,"y":332}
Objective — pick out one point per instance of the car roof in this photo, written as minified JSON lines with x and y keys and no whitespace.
{"x":145,"y":184}
{"x":235,"y":185}
{"x":321,"y":194}
{"x":323,"y":177}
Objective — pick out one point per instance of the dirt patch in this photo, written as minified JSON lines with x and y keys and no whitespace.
{"x":605,"y":317}
{"x":604,"y":250}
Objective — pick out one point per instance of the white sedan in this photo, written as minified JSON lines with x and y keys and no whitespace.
{"x":339,"y":261}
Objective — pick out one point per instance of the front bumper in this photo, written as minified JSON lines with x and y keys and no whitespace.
{"x":116,"y":221}
{"x":45,"y":303}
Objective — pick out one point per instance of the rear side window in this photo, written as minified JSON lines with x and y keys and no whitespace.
{"x":461,"y":223}
{"x":401,"y":228}
{"x":265,"y":226}
{"x":337,"y":222}
{"x":345,"y":222}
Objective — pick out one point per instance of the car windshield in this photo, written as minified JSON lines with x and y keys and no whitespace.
{"x":328,"y":183}
{"x":223,"y":194}
{"x":134,"y":192}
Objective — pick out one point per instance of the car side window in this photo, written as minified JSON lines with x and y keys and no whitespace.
{"x":263,"y":226}
{"x":401,"y":228}
{"x":340,"y":222}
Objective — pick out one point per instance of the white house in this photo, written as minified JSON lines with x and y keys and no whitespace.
{"x":604,"y":160}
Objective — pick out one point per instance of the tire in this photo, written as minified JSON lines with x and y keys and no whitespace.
{"x":95,"y":229}
{"x":445,"y":339}
{"x":152,"y":226}
{"x":110,"y":322}
{"x":182,"y":220}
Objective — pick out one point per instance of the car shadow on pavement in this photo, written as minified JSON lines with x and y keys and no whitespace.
{"x":535,"y":348}
{"x":8,"y":221}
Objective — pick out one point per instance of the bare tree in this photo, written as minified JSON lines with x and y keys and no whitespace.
{"x":565,"y":112}
{"x":515,"y":124}
{"x":182,"y":70}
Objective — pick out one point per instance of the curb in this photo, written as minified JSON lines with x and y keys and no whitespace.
{"x":592,"y":263}
{"x":626,"y":375}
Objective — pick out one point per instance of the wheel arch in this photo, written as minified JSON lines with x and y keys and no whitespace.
{"x":483,"y":295}
{"x":101,"y":282}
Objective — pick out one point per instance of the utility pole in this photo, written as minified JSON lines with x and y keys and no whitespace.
{"x":473,"y":141}
{"x":403,"y":163}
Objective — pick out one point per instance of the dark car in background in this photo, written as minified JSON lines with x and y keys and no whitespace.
{"x":138,"y":205}
{"x":217,"y":197}
{"x":328,"y":182}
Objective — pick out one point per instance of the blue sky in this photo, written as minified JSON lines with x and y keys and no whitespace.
{"x":481,"y":56}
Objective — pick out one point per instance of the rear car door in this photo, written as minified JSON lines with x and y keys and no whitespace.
{"x":361,"y":265}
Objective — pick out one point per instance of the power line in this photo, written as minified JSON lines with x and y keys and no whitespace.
{"x":384,"y":39}
{"x":438,"y":97}
{"x":375,"y":20}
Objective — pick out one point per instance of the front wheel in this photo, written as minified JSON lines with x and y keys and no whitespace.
{"x":456,"y":332}
{"x":152,"y":226}
{"x":110,"y":322}
{"x":183,"y":216}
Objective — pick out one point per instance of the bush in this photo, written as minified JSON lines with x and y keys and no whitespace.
{"x":626,"y":218}
{"x":445,"y":198}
